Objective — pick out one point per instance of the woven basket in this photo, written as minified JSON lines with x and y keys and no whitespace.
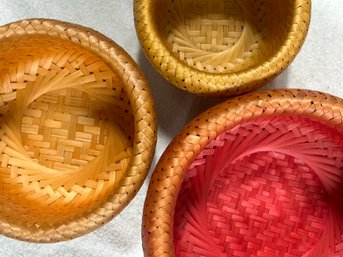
{"x":221,"y":48}
{"x":260,"y":175}
{"x":77,"y":130}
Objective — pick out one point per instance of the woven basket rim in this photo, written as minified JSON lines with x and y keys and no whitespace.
{"x":141,"y":101}
{"x":147,"y":32}
{"x":171,"y":169}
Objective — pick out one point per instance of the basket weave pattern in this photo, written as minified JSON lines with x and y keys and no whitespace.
{"x":259,"y":175}
{"x":225,"y":47}
{"x":264,"y":197}
{"x":77,"y":130}
{"x":216,"y":37}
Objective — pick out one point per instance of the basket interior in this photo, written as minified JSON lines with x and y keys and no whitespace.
{"x":267,"y":187}
{"x":66,"y":132}
{"x":223,"y":36}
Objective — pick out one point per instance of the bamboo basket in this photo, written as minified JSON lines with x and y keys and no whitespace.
{"x":221,"y":47}
{"x":77,"y":130}
{"x":259,"y":175}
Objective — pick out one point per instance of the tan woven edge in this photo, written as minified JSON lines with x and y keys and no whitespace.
{"x":137,"y":89}
{"x":167,"y":178}
{"x":219,"y":84}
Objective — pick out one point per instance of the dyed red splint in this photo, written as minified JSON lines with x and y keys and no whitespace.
{"x":269,"y":187}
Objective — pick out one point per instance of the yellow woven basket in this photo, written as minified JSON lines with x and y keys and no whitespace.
{"x":77,"y":130}
{"x":221,"y":47}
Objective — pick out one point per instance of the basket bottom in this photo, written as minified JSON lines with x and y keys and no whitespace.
{"x":263,"y":189}
{"x":71,"y":155}
{"x":222,"y":36}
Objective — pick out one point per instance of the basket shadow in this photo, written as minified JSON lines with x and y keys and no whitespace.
{"x":174,"y":107}
{"x":281,"y":81}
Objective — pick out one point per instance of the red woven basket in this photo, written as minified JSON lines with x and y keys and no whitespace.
{"x":260,"y":175}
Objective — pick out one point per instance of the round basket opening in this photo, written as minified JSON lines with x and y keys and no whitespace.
{"x":223,"y":36}
{"x":66,"y":133}
{"x":267,"y":187}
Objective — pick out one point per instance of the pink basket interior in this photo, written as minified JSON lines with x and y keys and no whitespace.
{"x":267,"y":187}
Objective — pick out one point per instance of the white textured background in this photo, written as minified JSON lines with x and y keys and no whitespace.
{"x":319,"y":66}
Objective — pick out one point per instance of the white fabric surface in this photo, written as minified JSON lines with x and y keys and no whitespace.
{"x":319,"y":66}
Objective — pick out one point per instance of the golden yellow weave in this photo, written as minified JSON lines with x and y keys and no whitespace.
{"x":225,"y":47}
{"x":77,"y":130}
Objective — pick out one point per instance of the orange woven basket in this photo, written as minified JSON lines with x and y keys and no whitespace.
{"x":77,"y":130}
{"x":221,"y":47}
{"x":260,"y":175}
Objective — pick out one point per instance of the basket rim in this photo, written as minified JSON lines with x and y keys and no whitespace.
{"x":171,"y":169}
{"x":225,"y":84}
{"x":141,"y":101}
